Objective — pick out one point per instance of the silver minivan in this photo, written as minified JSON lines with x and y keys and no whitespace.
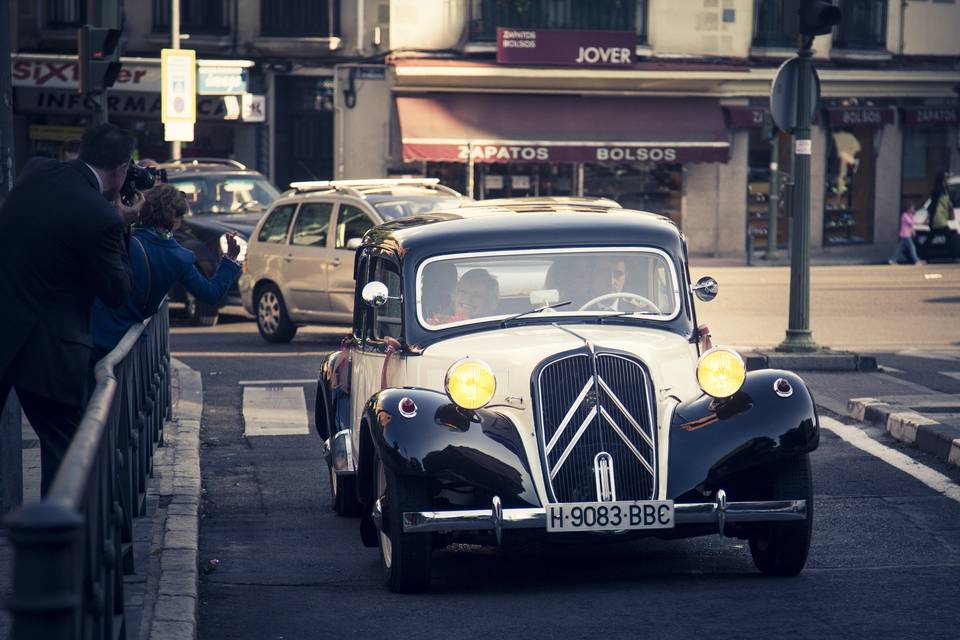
{"x":299,"y":264}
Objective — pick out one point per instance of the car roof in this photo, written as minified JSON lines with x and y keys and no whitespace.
{"x":536,"y":223}
{"x":573,"y":201}
{"x":364,"y":189}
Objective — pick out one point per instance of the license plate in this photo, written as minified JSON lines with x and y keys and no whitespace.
{"x":610,"y":516}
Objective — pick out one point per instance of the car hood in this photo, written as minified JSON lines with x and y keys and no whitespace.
{"x":242,"y":223}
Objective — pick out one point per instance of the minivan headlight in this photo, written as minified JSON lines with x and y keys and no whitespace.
{"x":470,"y":383}
{"x":721,"y":372}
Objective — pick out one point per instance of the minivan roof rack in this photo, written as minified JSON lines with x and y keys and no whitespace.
{"x":318,"y":185}
{"x":224,"y":161}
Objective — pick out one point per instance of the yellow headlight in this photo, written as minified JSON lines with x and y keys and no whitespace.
{"x":470,"y":383}
{"x":721,"y":372}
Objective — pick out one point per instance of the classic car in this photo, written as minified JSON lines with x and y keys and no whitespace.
{"x":540,"y":374}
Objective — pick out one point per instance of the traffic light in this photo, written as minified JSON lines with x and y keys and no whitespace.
{"x":99,"y":58}
{"x":818,"y":17}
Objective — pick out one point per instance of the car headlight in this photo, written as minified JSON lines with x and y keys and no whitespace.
{"x":721,"y":372}
{"x":240,"y":241}
{"x":470,"y":383}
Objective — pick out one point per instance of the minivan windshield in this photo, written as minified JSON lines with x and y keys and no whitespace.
{"x":468,"y":288}
{"x":392,"y":207}
{"x":226,"y":193}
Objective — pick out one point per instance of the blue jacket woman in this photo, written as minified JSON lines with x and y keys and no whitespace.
{"x":158,"y":262}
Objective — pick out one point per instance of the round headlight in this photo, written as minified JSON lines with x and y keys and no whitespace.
{"x":721,"y":372}
{"x":240,"y":242}
{"x":470,"y":383}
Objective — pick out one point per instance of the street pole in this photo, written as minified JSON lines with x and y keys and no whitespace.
{"x":773,"y":197}
{"x":176,"y":146}
{"x":102,"y":13}
{"x":799,"y":336}
{"x":6,"y":103}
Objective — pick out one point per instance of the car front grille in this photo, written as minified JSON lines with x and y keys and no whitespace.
{"x":589,"y":404}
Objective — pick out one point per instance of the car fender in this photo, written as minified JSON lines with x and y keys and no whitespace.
{"x":332,"y":413}
{"x":443,"y":442}
{"x":712,"y":440}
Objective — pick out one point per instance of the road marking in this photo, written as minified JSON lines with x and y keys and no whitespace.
{"x":246,"y":354}
{"x":858,"y":438}
{"x":951,"y":374}
{"x":886,"y":369}
{"x":274,"y":383}
{"x":274,"y":411}
{"x":930,"y":354}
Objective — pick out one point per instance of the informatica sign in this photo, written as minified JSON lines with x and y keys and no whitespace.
{"x":566,"y":48}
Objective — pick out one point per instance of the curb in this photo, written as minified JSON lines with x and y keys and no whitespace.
{"x":823,"y":360}
{"x":941,"y":440}
{"x":171,"y":606}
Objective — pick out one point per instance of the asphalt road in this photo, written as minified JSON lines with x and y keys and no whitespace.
{"x":885,"y":560}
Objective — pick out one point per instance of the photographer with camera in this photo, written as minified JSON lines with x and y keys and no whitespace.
{"x":158,"y":263}
{"x":61,"y":245}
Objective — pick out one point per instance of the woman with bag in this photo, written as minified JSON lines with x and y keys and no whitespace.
{"x":940,"y":208}
{"x":158,"y":262}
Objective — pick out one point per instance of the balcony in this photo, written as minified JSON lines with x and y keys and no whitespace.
{"x":64,"y":14}
{"x":197,"y":17}
{"x":299,"y":18}
{"x":599,"y":15}
{"x":864,"y":26}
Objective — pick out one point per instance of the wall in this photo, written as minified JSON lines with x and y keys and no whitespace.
{"x":886,"y":205}
{"x":362,"y":140}
{"x":714,"y":218}
{"x":427,"y":24}
{"x":929,"y":28}
{"x":696,"y":27}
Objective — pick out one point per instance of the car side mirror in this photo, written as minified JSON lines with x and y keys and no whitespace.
{"x":354,"y":243}
{"x":706,"y":289}
{"x":375,"y":293}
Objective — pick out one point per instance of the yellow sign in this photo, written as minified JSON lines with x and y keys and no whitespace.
{"x":54,"y":133}
{"x":178,"y":86}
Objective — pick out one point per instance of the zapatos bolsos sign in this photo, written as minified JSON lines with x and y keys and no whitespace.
{"x":566,"y":48}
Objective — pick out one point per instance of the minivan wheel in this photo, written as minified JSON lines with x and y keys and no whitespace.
{"x":272,"y":320}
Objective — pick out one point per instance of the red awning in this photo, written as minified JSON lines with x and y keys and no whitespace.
{"x":451,"y":127}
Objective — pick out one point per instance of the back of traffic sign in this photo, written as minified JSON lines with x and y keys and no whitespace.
{"x":783,"y":94}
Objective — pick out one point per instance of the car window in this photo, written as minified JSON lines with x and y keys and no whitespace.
{"x":275,"y":227}
{"x":227,"y":194}
{"x":387,"y":319}
{"x":312,"y":224}
{"x":469,"y":288}
{"x":395,"y":207}
{"x":352,"y":223}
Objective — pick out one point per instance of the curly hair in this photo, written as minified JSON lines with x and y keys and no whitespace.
{"x":163,"y":206}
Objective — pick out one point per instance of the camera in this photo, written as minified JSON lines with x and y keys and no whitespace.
{"x":140,"y":178}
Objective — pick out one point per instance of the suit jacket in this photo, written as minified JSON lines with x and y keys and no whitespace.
{"x":160,"y":264}
{"x":61,"y":245}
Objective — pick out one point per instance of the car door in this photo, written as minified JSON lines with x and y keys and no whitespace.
{"x":307,"y":264}
{"x":351,"y":223}
{"x":267,"y":251}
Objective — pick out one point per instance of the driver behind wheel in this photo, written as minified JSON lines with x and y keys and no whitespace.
{"x":608,"y":275}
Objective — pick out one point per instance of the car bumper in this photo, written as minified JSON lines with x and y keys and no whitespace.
{"x":497,"y":519}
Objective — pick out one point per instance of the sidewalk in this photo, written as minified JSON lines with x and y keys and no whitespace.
{"x":907,"y":411}
{"x":161,"y":596}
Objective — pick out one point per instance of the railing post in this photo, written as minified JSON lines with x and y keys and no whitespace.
{"x":46,"y":572}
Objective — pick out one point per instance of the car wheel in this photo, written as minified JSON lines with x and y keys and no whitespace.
{"x":405,"y":556}
{"x":201,"y":314}
{"x":780,"y":548}
{"x":272,"y":320}
{"x":343,"y":495}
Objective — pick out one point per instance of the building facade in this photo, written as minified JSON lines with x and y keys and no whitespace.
{"x":660,"y":104}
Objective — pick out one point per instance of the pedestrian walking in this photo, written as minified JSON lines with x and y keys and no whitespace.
{"x":905,"y":248}
{"x":61,"y":245}
{"x":158,"y":262}
{"x":940,"y":209}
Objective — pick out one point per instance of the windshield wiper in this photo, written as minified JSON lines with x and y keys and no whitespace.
{"x":620,"y":314}
{"x":503,"y":323}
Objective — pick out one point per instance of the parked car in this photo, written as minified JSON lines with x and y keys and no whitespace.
{"x":224,"y":196}
{"x":299,"y":263}
{"x":943,"y":244}
{"x":538,"y":373}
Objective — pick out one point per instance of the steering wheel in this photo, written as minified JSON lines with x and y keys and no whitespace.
{"x":632,"y":298}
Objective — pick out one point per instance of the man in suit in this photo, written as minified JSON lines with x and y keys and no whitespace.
{"x":61,"y":245}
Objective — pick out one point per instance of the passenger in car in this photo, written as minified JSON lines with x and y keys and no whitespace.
{"x":439,"y":282}
{"x":475,"y":296}
{"x":608,"y":275}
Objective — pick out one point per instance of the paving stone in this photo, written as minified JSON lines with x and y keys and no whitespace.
{"x":178,"y":560}
{"x":178,"y":583}
{"x":172,"y":630}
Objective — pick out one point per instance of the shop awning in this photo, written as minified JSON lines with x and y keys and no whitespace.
{"x":452,"y":127}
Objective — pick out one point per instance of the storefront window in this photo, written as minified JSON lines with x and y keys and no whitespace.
{"x":645,"y":186}
{"x":850,"y":182}
{"x":758,"y":188}
{"x":522,"y":180}
{"x":925,"y":154}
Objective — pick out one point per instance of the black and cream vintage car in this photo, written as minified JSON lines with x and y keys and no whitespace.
{"x":536,"y":370}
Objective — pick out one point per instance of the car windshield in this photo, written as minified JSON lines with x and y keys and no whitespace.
{"x":400,"y":207}
{"x":226,"y":194}
{"x":468,"y":288}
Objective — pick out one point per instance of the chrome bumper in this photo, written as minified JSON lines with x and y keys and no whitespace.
{"x":497,"y":519}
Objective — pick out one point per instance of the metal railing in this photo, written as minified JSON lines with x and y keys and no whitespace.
{"x":600,"y":15}
{"x":300,"y":19}
{"x":775,"y":23}
{"x":197,"y":17}
{"x":864,"y":25}
{"x":72,"y":548}
{"x":62,"y":14}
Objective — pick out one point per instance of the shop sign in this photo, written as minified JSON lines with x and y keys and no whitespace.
{"x":566,"y":47}
{"x":133,"y":105}
{"x":414,"y":150}
{"x":221,"y":81}
{"x":860,"y":116}
{"x":745,"y":117}
{"x":930,"y":115}
{"x":61,"y":72}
